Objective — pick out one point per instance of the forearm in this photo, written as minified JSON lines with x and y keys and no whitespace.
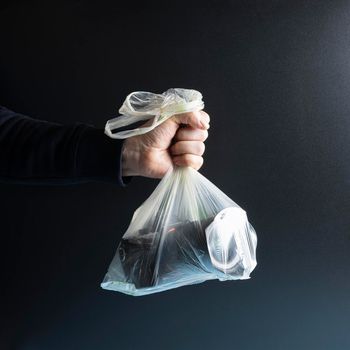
{"x":35,"y":151}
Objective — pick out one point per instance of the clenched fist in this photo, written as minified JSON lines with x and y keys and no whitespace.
{"x":179,"y":140}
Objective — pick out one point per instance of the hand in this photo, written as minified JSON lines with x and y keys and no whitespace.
{"x":179,"y":140}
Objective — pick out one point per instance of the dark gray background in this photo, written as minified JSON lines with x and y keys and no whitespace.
{"x":275,"y":76}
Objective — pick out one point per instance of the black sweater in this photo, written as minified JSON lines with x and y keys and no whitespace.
{"x":40,"y":152}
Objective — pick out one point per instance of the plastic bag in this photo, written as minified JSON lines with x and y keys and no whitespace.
{"x":188,"y":231}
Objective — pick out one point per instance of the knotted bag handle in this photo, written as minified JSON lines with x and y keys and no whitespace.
{"x":143,"y":105}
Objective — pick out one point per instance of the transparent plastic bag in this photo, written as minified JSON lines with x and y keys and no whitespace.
{"x":188,"y":231}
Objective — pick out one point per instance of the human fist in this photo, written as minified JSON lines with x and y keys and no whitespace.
{"x":179,"y":140}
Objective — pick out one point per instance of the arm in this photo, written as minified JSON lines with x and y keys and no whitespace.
{"x":34,"y":151}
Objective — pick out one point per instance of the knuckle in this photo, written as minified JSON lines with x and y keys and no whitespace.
{"x":187,"y":159}
{"x":191,"y":117}
{"x":182,"y":118}
{"x":199,"y":163}
{"x":205,"y":134}
{"x":200,"y":148}
{"x":206,"y":116}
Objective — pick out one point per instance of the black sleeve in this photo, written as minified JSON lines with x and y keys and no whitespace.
{"x":41,"y":152}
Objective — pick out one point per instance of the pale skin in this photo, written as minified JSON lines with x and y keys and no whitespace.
{"x":179,"y":140}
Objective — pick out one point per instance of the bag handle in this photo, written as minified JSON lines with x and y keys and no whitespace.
{"x":142,"y":105}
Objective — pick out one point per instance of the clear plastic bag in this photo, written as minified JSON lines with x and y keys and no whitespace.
{"x":188,"y":231}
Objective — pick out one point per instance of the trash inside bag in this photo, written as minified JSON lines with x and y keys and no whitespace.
{"x":188,"y":231}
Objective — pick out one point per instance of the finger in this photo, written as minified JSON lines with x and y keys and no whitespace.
{"x":191,"y":147}
{"x":190,"y":160}
{"x":190,"y":134}
{"x":205,"y":116}
{"x":197,"y":119}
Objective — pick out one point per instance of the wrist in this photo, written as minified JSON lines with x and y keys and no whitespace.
{"x":130,"y":158}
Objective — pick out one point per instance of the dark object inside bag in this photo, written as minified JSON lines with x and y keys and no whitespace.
{"x":152,"y":258}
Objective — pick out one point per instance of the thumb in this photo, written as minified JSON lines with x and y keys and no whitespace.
{"x":197,"y":119}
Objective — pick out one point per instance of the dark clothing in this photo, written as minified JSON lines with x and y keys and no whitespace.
{"x":40,"y":152}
